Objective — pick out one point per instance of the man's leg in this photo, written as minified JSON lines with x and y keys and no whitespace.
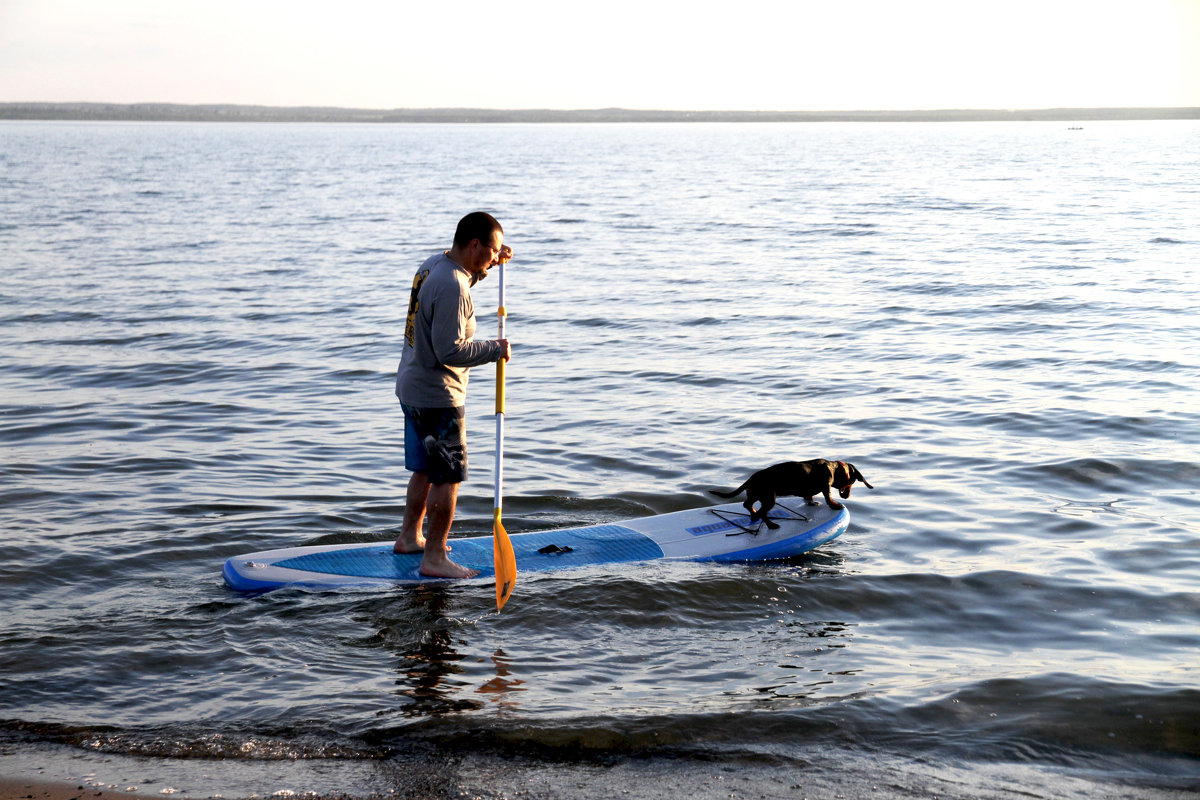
{"x":410,"y":539}
{"x":443,"y":497}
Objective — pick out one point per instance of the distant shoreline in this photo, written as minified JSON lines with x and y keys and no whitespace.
{"x":170,"y":112}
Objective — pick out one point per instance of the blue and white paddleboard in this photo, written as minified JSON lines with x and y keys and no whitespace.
{"x":718,"y":533}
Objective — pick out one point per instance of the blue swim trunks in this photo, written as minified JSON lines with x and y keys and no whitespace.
{"x":435,"y":442}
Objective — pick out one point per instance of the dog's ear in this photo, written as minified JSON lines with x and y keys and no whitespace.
{"x":843,"y":479}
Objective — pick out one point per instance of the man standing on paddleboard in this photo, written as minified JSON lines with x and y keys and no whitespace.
{"x":431,"y":383}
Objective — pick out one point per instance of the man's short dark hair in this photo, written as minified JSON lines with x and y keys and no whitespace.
{"x":476,"y":225}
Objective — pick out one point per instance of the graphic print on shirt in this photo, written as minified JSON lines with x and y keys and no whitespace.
{"x":410,"y":326}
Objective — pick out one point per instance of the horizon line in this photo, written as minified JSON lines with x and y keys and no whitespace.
{"x":232,"y":112}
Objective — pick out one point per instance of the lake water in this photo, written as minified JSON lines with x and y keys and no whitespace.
{"x":996,"y":322}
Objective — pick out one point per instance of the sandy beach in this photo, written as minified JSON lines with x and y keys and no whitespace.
{"x":34,"y":789}
{"x":496,"y":777}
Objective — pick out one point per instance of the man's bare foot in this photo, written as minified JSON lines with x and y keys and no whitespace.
{"x":406,"y":545}
{"x":445,"y":568}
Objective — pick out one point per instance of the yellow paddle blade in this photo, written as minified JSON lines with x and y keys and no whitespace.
{"x":506,"y":563}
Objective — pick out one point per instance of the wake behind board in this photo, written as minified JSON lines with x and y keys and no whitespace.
{"x":720,"y":533}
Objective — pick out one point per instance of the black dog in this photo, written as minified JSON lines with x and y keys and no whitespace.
{"x":804,"y":479}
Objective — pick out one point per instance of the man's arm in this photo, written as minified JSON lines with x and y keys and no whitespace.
{"x":448,"y":335}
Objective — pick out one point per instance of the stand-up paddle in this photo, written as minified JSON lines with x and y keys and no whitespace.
{"x":506,"y":561}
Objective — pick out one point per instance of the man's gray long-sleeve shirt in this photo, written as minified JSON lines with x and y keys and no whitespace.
{"x":438,"y":345}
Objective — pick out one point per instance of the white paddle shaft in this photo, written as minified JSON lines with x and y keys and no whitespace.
{"x":500,"y":400}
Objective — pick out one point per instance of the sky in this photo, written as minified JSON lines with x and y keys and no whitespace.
{"x":636,"y":54}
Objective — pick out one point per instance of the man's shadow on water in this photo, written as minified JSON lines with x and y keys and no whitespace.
{"x":417,"y":625}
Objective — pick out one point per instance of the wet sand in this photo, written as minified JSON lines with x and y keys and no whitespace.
{"x":479,"y":777}
{"x":36,"y":789}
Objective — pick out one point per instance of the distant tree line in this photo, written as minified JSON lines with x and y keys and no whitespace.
{"x":169,"y":112}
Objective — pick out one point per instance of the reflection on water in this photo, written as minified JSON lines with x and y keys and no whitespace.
{"x":780,"y":648}
{"x":652,"y":638}
{"x":416,"y":626}
{"x":431,"y":675}
{"x":501,"y":688}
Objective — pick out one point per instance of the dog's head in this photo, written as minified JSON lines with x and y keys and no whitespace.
{"x":844,"y":476}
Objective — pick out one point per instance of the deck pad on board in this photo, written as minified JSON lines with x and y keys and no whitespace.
{"x":600,"y":544}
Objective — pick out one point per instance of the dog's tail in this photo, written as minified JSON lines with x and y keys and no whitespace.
{"x":728,"y":495}
{"x":855,"y":474}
